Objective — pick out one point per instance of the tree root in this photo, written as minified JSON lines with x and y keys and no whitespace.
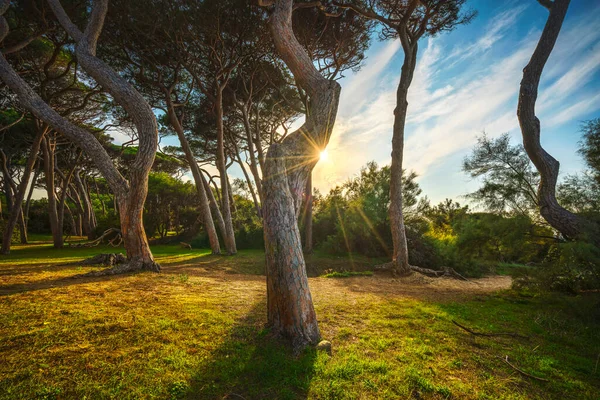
{"x":105,"y":259}
{"x":444,"y":272}
{"x":119,"y":265}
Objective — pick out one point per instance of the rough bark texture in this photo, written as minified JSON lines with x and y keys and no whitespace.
{"x":130,"y":193}
{"x":291,"y":314}
{"x":559,"y":218}
{"x":207,"y":219}
{"x":308,"y":217}
{"x":400,"y":255}
{"x":229,"y":238}
{"x":16,"y":211}
{"x":87,"y":217}
{"x":53,"y":213}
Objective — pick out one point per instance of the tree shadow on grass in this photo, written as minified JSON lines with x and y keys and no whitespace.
{"x":250,"y":364}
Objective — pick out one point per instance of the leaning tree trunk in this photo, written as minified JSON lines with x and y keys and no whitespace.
{"x":86,"y":207}
{"x":290,"y":310}
{"x":400,"y":255}
{"x":559,"y":218}
{"x":55,"y":226}
{"x":207,"y":219}
{"x":229,"y":238}
{"x":17,"y":209}
{"x":308,"y":217}
{"x":131,"y":210}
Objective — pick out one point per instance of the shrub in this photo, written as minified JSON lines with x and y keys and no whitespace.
{"x":16,"y":234}
{"x":569,"y":267}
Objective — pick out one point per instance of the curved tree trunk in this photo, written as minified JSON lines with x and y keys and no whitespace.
{"x":308,"y":217}
{"x":291,"y":314}
{"x":131,"y":210}
{"x":207,"y":219}
{"x":131,"y":194}
{"x":229,"y":238}
{"x":559,"y":218}
{"x":86,"y":208}
{"x":400,"y":255}
{"x":55,"y":226}
{"x":20,"y":195}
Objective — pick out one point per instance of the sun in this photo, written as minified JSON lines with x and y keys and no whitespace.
{"x":324,"y":156}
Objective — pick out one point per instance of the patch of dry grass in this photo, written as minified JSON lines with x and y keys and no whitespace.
{"x":197,"y":331}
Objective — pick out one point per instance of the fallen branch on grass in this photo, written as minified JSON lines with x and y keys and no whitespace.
{"x":99,"y":240}
{"x":505,"y":359}
{"x":472,"y":332}
{"x":444,"y":272}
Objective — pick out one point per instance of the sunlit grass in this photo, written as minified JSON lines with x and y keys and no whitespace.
{"x":197,"y":330}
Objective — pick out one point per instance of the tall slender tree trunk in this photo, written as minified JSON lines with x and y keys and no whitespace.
{"x":86,"y":208}
{"x":250,"y":185}
{"x":400,"y":255}
{"x":207,"y":218}
{"x":22,"y":226}
{"x":48,"y":154}
{"x":214,"y":207}
{"x":567,"y":223}
{"x":290,"y":309}
{"x":308,"y":217}
{"x":30,"y":193}
{"x":229,"y":238}
{"x":251,"y":153}
{"x":17,"y":206}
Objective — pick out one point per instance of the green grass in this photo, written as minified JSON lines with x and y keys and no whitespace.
{"x":347,"y":274}
{"x":197,"y":331}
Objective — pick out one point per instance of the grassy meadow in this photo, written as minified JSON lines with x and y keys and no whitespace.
{"x":197,"y":331}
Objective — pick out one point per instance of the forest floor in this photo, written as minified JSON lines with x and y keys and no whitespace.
{"x":197,"y":331}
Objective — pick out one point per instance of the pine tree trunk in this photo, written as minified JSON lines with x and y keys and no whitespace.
{"x":131,"y":210}
{"x":308,"y":217}
{"x":400,"y":256}
{"x":287,"y":166}
{"x":48,"y":152}
{"x":16,"y":211}
{"x":229,"y":238}
{"x":567,"y":223}
{"x":290,"y":308}
{"x":207,"y":218}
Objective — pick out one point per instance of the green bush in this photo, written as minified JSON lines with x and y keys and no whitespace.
{"x":569,"y":268}
{"x":16,"y":234}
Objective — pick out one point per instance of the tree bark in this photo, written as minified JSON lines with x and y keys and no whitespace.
{"x":559,"y":218}
{"x":87,"y":208}
{"x":290,"y":309}
{"x":308,"y":217}
{"x":207,"y":219}
{"x":229,"y":238}
{"x":400,"y":254}
{"x":55,"y":226}
{"x":131,"y":193}
{"x":17,"y":209}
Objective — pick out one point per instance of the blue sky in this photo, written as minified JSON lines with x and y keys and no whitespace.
{"x":467,"y":82}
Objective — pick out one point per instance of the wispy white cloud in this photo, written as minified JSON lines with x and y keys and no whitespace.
{"x":496,"y":29}
{"x":450,"y":107}
{"x":588,"y":104}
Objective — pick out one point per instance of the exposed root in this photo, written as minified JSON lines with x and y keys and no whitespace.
{"x":120,"y":265}
{"x":449,"y":272}
{"x":105,"y":259}
{"x":444,"y":272}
